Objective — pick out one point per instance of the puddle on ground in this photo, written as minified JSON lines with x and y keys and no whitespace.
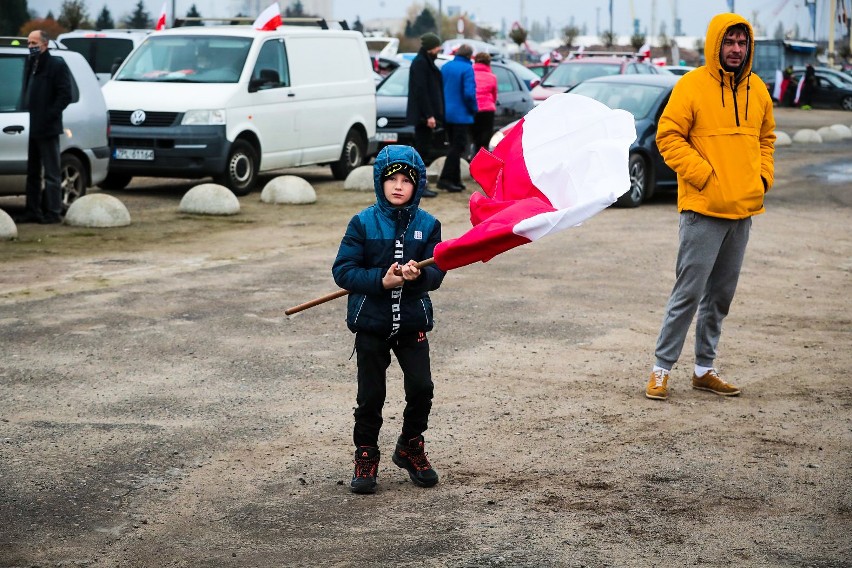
{"x":833,"y":172}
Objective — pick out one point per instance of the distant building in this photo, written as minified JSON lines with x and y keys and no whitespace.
{"x":771,"y":55}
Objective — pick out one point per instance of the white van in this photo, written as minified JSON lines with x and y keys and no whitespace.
{"x":103,"y":49}
{"x":232,"y":101}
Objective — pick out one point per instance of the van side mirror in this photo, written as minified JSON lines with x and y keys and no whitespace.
{"x":267,"y":78}
{"x":115,"y":65}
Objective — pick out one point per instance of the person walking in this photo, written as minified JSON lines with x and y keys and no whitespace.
{"x":425,"y":110}
{"x":486,"y":101}
{"x":460,"y":108}
{"x":47,"y":91}
{"x":717,"y":134}
{"x":809,"y":83}
{"x":390,"y":310}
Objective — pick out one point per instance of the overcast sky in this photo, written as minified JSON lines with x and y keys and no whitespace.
{"x":593,"y":13}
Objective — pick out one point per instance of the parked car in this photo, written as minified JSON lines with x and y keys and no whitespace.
{"x":645,"y":97}
{"x":232,"y":101}
{"x":513,"y":102}
{"x":573,"y":71}
{"x":840,"y":75}
{"x":83,"y":146}
{"x":678,"y":69}
{"x":541,"y":69}
{"x":829,"y":92}
{"x":103,"y":49}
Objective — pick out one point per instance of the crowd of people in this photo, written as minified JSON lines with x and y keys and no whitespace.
{"x":461,"y":96}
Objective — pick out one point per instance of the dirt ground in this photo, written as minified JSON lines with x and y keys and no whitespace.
{"x":158,"y":409}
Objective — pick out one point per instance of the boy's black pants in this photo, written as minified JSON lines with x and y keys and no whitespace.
{"x":373,"y":351}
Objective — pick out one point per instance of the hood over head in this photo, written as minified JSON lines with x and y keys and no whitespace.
{"x":408,"y":159}
{"x":713,"y":43}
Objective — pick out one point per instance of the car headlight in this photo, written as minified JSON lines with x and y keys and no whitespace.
{"x":205,"y":117}
{"x":382,"y":122}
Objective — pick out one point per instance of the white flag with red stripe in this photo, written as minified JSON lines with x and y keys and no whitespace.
{"x":161,"y":21}
{"x":269,"y":19}
{"x":564,"y":162}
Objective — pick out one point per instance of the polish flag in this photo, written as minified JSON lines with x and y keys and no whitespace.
{"x":645,"y":51}
{"x":564,"y":162}
{"x":269,"y":19}
{"x":161,"y":21}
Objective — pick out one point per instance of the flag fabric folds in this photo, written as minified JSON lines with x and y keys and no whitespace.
{"x":161,"y":21}
{"x":564,"y":162}
{"x":269,"y":19}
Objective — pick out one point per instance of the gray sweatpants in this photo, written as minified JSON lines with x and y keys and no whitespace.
{"x":708,"y":266}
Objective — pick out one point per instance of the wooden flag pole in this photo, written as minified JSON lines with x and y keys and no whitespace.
{"x":340,"y":293}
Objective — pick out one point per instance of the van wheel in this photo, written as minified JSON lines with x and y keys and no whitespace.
{"x":241,"y":169}
{"x":352,"y":156}
{"x":115,"y":181}
{"x":640,"y":181}
{"x":73,"y":176}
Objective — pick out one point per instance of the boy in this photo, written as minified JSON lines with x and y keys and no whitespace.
{"x":390,"y":310}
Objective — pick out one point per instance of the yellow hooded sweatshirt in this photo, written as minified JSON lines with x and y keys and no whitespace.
{"x":717,"y":133}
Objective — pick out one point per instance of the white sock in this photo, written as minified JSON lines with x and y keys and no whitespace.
{"x":701,"y":371}
{"x":658,"y":368}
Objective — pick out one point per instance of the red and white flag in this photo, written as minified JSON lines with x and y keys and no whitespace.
{"x":161,"y":21}
{"x":564,"y":162}
{"x":269,"y":19}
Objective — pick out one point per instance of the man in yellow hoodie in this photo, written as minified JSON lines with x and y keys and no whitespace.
{"x":717,"y":133}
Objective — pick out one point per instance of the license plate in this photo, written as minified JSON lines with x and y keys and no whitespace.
{"x":386,"y":136}
{"x":133,"y":154}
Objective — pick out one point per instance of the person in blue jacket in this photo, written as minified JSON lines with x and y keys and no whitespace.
{"x":460,"y":108}
{"x":389,"y":309}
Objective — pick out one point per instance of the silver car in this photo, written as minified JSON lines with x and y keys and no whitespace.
{"x":83,"y":145}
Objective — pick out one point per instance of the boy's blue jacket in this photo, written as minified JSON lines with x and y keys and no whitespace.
{"x":369,"y":248}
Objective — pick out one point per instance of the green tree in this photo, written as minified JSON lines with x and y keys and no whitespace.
{"x":424,"y":22}
{"x":294,"y":10}
{"x":13,"y":16}
{"x":139,"y":19}
{"x":104,"y":21}
{"x":73,"y":15}
{"x":486,"y":33}
{"x":637,"y":41}
{"x":569,"y":34}
{"x":193,"y":13}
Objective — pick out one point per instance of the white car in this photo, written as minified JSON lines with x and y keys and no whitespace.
{"x":83,"y":145}
{"x":105,"y":50}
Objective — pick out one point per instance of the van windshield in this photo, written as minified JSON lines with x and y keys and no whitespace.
{"x":187,"y":59}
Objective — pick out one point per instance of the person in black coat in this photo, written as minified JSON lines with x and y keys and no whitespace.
{"x":425,"y":109}
{"x":47,"y":91}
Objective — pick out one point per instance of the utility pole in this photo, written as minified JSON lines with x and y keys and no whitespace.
{"x":832,"y":14}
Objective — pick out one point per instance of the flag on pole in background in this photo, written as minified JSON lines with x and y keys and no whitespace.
{"x":161,"y":21}
{"x":269,"y":19}
{"x":564,"y":162}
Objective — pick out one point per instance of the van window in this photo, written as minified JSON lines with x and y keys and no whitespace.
{"x":191,"y":59}
{"x":272,"y":57}
{"x":100,"y":52}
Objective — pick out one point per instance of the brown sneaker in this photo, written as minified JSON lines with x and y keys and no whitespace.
{"x":711,"y":381}
{"x":658,"y":386}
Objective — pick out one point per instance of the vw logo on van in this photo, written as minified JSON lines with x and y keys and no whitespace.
{"x":137,"y":118}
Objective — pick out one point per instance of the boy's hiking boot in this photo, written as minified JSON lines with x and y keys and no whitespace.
{"x":410,"y":455}
{"x":366,"y":470}
{"x":658,"y":388}
{"x":712,"y":382}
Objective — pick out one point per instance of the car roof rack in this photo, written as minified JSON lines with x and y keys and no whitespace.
{"x":577,"y":53}
{"x":16,"y":41}
{"x":319,"y":22}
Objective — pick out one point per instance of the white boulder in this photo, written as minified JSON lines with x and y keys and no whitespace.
{"x":842,"y":130}
{"x":210,"y":199}
{"x":288,"y":189}
{"x":360,"y":179}
{"x":807,"y":136}
{"x":8,"y":229}
{"x":782,"y":138}
{"x":97,"y":210}
{"x":434,"y":169}
{"x":828,"y":134}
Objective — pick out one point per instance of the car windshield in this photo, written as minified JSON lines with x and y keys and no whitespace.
{"x":396,"y":84}
{"x":569,"y":74}
{"x":189,"y":59}
{"x":525,"y":73}
{"x":636,"y":99}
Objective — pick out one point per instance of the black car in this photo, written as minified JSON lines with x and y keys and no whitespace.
{"x":830,"y":91}
{"x":645,"y":97}
{"x":513,"y":102}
